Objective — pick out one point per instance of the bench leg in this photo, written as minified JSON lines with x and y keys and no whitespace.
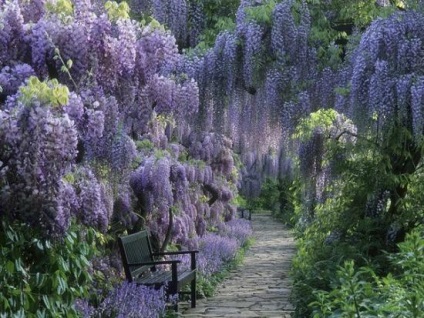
{"x":174,"y":296}
{"x":173,"y":288}
{"x":193,"y":293}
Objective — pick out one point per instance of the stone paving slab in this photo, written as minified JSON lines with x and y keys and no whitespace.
{"x":261,"y":286}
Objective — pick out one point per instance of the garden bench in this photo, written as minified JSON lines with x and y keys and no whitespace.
{"x":245,"y":213}
{"x":140,"y":266}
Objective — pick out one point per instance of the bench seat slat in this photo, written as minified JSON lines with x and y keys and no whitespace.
{"x":166,"y":277}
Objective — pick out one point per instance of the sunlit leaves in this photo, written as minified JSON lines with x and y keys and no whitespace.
{"x":48,"y":92}
{"x":117,"y":10}
{"x":321,"y":119}
{"x":63,"y":8}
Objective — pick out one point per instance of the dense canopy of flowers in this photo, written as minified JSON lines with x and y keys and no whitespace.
{"x":105,"y":123}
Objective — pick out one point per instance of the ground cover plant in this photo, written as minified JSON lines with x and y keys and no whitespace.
{"x":118,"y":116}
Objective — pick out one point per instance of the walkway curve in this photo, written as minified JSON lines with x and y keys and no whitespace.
{"x":260,"y":287}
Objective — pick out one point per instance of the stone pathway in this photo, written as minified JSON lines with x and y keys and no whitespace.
{"x":260,"y":287}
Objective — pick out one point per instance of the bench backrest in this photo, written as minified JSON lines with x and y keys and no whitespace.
{"x":135,"y":248}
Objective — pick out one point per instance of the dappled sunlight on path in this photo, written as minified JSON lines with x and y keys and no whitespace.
{"x":260,"y":287}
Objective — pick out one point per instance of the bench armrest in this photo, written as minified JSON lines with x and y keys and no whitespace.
{"x":154,"y":263}
{"x":174,"y":253}
{"x":192,"y":256}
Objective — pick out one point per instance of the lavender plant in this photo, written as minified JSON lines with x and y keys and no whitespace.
{"x":132,"y":300}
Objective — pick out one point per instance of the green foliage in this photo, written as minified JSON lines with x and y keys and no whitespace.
{"x":261,"y":14}
{"x":66,"y":67}
{"x":239,"y":201}
{"x":268,"y":198}
{"x":375,"y":186}
{"x":333,"y":22}
{"x":286,"y":200}
{"x":63,"y":8}
{"x":410,"y":4}
{"x":276,"y":196}
{"x":116,"y":11}
{"x":322,"y":120}
{"x":47,"y":92}
{"x":160,"y":153}
{"x":145,"y":144}
{"x":362,"y":293}
{"x":152,"y":24}
{"x":351,"y":296}
{"x":363,"y":12}
{"x":342,"y":91}
{"x":207,"y":38}
{"x":220,"y":15}
{"x":41,"y":277}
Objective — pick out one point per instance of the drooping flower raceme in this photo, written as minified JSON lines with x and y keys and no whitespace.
{"x":39,"y":146}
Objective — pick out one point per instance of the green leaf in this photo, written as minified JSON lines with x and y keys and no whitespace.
{"x":40,"y":279}
{"x":10,"y":267}
{"x":18,"y":266}
{"x":46,"y":302}
{"x":64,"y":265}
{"x":69,"y":238}
{"x":41,"y":314}
{"x":62,"y":286}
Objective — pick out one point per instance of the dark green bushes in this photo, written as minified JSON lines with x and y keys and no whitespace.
{"x":366,"y":200}
{"x":361,"y":292}
{"x":276,"y":196}
{"x":43,"y":277}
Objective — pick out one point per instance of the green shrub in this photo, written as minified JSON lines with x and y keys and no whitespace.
{"x":276,"y":196}
{"x":268,"y":198}
{"x":42,"y":277}
{"x":371,"y":196}
{"x":362,"y":293}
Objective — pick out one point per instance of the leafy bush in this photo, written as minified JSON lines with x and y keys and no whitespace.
{"x":360,"y":292}
{"x":43,"y":277}
{"x":268,"y":197}
{"x":358,"y":201}
{"x":218,"y":17}
{"x":276,"y":195}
